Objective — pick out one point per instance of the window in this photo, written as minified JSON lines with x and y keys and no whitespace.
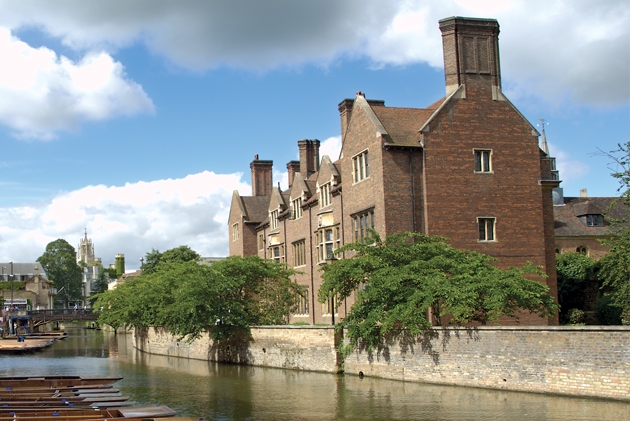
{"x":261,"y":241}
{"x":486,"y":229}
{"x":277,"y":254}
{"x":274,"y":219}
{"x":299,"y":253}
{"x":582,"y":250}
{"x":595,"y":220}
{"x":235,"y":232}
{"x":482,"y":160}
{"x":360,"y":224}
{"x":326,"y":244}
{"x":325,"y":197}
{"x":296,"y":208}
{"x":360,"y":166}
{"x":329,"y":307}
{"x":302,"y":305}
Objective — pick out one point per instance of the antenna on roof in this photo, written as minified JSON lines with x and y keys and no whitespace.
{"x":543,"y":140}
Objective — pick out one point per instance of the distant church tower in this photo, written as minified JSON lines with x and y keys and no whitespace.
{"x":85,"y":251}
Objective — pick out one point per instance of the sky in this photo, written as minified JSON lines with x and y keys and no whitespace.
{"x":137,"y":120}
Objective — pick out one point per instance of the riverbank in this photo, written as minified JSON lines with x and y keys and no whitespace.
{"x":577,"y":361}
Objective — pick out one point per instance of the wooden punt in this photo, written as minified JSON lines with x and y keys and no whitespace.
{"x":138,"y":412}
{"x":56,"y":381}
{"x":13,"y":346}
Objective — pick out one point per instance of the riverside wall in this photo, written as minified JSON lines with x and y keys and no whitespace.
{"x":580,"y":361}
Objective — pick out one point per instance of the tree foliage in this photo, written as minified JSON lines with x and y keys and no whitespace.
{"x":615,"y":266}
{"x":575,"y":271}
{"x":60,"y":263}
{"x":399,"y":279}
{"x":189,"y":298}
{"x":179,"y":254}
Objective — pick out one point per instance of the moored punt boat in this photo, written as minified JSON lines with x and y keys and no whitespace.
{"x":56,"y":381}
{"x":72,"y":398}
{"x":12,"y":345}
{"x":141,"y":412}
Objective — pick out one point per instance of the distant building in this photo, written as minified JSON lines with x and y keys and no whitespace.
{"x":581,"y":222}
{"x":30,"y":283}
{"x":468,"y":167}
{"x":92,"y":266}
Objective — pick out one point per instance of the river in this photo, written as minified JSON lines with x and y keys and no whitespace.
{"x":228,"y":392}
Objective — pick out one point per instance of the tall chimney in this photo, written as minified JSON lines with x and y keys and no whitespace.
{"x":292,"y":168}
{"x":345,"y":112}
{"x":471,"y":54}
{"x":309,"y":157}
{"x":262,"y":177}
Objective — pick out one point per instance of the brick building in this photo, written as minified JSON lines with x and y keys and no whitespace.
{"x":467,"y":167}
{"x":581,"y":222}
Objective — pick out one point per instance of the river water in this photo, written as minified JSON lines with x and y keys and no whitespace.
{"x":228,"y":392}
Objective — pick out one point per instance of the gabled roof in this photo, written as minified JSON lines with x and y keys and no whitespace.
{"x":256,"y":208}
{"x":567,"y":221}
{"x":299,"y":188}
{"x":327,"y":171}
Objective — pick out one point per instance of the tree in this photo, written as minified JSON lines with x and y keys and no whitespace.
{"x":400,"y":280}
{"x":575,"y":271}
{"x":101,"y":284}
{"x":176,"y":255}
{"x":615,"y":266}
{"x":60,"y":263}
{"x":189,"y":299}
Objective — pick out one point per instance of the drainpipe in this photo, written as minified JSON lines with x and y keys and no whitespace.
{"x":310,"y":245}
{"x":413,"y":193}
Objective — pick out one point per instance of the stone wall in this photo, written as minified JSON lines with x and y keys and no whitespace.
{"x":580,"y":361}
{"x":311,"y":348}
{"x":584,"y":361}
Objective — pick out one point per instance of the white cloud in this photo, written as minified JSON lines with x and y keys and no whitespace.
{"x":331,"y":147}
{"x":130,"y":219}
{"x":42,"y":93}
{"x":550,"y":48}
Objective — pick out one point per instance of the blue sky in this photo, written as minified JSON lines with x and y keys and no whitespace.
{"x":138,"y":121}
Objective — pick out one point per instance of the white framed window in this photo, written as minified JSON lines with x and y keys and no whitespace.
{"x":486,"y":229}
{"x":235,"y":232}
{"x":582,"y":250}
{"x":277,"y":254}
{"x":296,"y":208}
{"x":328,"y":240}
{"x":325,"y":196}
{"x":360,"y":167}
{"x":483,"y":160}
{"x":302,"y":305}
{"x":360,"y":223}
{"x":273,"y":217}
{"x":329,"y":307}
{"x":299,"y":253}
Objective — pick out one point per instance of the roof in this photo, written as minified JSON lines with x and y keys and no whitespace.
{"x":257,"y":207}
{"x":23,"y":269}
{"x":403,"y":124}
{"x":567,"y":221}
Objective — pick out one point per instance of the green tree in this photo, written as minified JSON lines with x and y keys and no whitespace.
{"x":189,"y":299}
{"x":615,"y":266}
{"x":101,"y":284}
{"x":575,"y":272}
{"x":400,"y":280}
{"x":179,"y":254}
{"x":60,"y":263}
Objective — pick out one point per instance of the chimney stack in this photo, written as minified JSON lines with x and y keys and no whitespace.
{"x":293,"y":167}
{"x":471,"y":55}
{"x":309,"y":157}
{"x":262,"y":176}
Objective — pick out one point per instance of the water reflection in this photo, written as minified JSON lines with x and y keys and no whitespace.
{"x":228,"y":392}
